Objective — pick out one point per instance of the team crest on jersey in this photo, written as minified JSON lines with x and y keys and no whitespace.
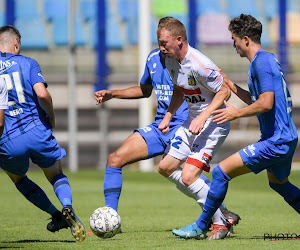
{"x":172,"y":73}
{"x":191,"y":80}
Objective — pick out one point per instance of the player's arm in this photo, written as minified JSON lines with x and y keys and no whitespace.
{"x":263,"y":104}
{"x":198,"y":123}
{"x":243,"y":94}
{"x":136,"y":92}
{"x":1,"y":121}
{"x":45,"y":100}
{"x":176,"y":101}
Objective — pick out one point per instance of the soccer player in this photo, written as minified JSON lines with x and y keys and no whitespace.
{"x":269,"y":99}
{"x":3,"y":103}
{"x":146,"y":142}
{"x":29,"y":121}
{"x":197,"y":80}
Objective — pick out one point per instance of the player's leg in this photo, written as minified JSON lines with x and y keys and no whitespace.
{"x":289,"y":192}
{"x":15,"y":163}
{"x":133,"y":149}
{"x":234,"y":166}
{"x":232,"y":217}
{"x":33,"y":193}
{"x":229,"y":168}
{"x":66,"y":218}
{"x":279,"y":171}
{"x":46,"y":153}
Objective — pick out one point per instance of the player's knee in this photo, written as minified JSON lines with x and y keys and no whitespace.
{"x":114,"y":160}
{"x":219,"y":175}
{"x":163,"y":169}
{"x":188,"y":178}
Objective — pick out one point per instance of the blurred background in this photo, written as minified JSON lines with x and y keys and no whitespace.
{"x":105,"y":52}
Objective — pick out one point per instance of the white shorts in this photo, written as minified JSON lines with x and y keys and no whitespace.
{"x":198,"y":150}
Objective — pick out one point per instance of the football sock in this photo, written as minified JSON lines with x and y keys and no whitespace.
{"x":215,"y":196}
{"x":175,"y":177}
{"x":289,"y":192}
{"x":112,"y":186}
{"x":62,"y":189}
{"x":200,"y":190}
{"x":35,"y":195}
{"x":208,"y":182}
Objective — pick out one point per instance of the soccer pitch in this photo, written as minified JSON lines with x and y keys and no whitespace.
{"x":150,"y":207}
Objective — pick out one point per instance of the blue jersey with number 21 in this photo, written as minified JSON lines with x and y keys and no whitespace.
{"x":265,"y":74}
{"x":20,"y":74}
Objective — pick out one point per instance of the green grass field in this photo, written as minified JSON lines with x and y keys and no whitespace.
{"x":150,"y":207}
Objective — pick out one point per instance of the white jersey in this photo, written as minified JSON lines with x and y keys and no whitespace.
{"x":3,"y":94}
{"x":198,"y":79}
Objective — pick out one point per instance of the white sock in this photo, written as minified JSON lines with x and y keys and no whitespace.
{"x":175,"y":177}
{"x":200,"y":189}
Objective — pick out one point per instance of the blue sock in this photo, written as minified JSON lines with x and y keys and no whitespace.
{"x":289,"y":192}
{"x":112,"y":186}
{"x":62,"y":189}
{"x":35,"y":195}
{"x":215,"y":196}
{"x":207,"y":181}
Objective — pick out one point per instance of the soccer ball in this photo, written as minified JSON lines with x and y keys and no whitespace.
{"x":105,"y":222}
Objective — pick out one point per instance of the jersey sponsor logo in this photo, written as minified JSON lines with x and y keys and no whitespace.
{"x":16,"y":112}
{"x":163,"y":92}
{"x":206,"y":158}
{"x":194,"y":98}
{"x":192,"y":95}
{"x":5,"y":65}
{"x":191,"y":80}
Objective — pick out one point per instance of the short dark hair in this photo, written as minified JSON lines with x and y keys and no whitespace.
{"x":173,"y":25}
{"x":246,"y":25}
{"x":10,"y":29}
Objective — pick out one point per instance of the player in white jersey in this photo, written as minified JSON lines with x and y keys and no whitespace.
{"x":197,"y":80}
{"x":3,"y":103}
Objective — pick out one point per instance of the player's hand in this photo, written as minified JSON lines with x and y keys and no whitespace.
{"x":102,"y":96}
{"x":164,"y":126}
{"x":223,"y":115}
{"x":197,"y":125}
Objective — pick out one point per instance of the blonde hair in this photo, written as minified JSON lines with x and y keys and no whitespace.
{"x":173,"y":25}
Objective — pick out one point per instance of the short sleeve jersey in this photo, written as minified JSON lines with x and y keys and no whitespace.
{"x":198,"y":79}
{"x":157,"y":75}
{"x":265,"y":74}
{"x":24,"y":112}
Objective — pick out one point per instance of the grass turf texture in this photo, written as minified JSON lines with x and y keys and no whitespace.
{"x":150,"y":207}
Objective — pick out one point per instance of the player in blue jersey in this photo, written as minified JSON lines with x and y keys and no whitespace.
{"x":147,"y":142}
{"x":29,"y":121}
{"x":269,"y":99}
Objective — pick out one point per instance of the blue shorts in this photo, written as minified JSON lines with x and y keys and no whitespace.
{"x":155,"y":139}
{"x":276,"y":158}
{"x":38,"y":144}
